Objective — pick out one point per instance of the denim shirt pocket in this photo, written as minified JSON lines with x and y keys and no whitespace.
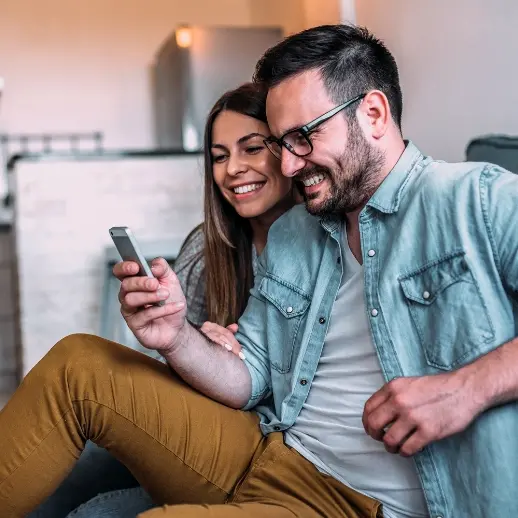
{"x":448,"y":311}
{"x":284,"y":316}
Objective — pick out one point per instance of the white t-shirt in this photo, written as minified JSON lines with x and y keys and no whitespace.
{"x":329,"y":430}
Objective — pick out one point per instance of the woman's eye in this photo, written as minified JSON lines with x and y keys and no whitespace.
{"x":252,"y":150}
{"x":217,"y":159}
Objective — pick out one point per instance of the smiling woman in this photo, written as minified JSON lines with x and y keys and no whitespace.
{"x":248,"y":177}
{"x":245,"y":193}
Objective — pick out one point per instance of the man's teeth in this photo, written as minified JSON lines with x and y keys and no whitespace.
{"x":242,"y":189}
{"x":313,"y":180}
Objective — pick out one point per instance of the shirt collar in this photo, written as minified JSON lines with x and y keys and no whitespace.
{"x":388,"y":195}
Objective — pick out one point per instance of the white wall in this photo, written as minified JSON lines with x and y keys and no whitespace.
{"x":63,"y":213}
{"x":457,"y":61}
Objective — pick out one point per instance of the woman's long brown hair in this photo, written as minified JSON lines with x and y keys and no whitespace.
{"x":228,"y":236}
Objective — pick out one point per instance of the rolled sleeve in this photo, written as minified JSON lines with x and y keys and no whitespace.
{"x":252,"y":337}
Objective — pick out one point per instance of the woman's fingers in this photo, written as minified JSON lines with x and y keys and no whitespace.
{"x":233,"y":328}
{"x":223,"y":337}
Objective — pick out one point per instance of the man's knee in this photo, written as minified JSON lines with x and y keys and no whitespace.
{"x":81,"y":351}
{"x":90,"y":352}
{"x":74,"y":354}
{"x":79,"y":344}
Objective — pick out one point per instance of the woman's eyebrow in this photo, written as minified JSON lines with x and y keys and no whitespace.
{"x":243,"y":139}
{"x":218,"y":146}
{"x":249,"y":136}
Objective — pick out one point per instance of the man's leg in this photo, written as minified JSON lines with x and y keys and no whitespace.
{"x":281,"y":484}
{"x":181,"y":446}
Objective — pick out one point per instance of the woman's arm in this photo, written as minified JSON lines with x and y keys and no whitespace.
{"x":189,"y":267}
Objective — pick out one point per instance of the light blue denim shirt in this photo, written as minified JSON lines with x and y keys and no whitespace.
{"x":440,"y":253}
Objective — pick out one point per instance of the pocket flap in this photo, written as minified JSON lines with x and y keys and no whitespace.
{"x":425,"y":284}
{"x":288,"y":299}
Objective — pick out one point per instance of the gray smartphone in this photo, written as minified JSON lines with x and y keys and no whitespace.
{"x":128,"y":249}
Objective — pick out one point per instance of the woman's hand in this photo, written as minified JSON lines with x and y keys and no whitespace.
{"x":223,"y":336}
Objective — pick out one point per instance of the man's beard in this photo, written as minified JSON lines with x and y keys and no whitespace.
{"x":353,"y":183}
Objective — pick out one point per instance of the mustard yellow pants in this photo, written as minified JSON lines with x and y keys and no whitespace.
{"x":194,"y":456}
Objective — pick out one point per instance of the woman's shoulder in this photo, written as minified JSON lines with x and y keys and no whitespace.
{"x":195,"y":240}
{"x":192,"y":248}
{"x":189,"y":268}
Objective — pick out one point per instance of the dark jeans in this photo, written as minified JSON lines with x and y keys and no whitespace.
{"x":123,"y":503}
{"x":95,"y":472}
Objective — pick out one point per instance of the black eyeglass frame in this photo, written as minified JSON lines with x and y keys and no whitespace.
{"x":306,"y":130}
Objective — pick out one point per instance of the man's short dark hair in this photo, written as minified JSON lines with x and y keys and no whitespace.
{"x":350,"y":59}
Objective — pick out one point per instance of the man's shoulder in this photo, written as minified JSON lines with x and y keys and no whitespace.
{"x":453,"y":179}
{"x":441,"y":173}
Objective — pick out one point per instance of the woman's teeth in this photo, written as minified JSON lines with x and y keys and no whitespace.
{"x":242,"y":189}
{"x":313,"y":180}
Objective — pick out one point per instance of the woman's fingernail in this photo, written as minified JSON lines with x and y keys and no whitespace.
{"x":241,"y":355}
{"x":163,"y":294}
{"x":228,"y":347}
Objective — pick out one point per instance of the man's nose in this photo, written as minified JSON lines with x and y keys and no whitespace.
{"x":290,"y":163}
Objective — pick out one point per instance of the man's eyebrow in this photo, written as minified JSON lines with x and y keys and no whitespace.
{"x":292,"y":128}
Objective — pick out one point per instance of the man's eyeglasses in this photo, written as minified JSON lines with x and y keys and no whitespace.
{"x":297,"y":141}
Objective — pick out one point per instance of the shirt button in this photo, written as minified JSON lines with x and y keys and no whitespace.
{"x":303,"y":382}
{"x":371,"y":253}
{"x":426,"y":295}
{"x":276,"y":428}
{"x":289,"y":309}
{"x":322,"y":320}
{"x":374,"y":312}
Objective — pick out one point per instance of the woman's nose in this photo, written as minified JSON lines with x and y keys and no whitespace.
{"x":236,"y":166}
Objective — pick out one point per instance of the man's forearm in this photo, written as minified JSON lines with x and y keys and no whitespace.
{"x":494,"y":376}
{"x":210,"y":368}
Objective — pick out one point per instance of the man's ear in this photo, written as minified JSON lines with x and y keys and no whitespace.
{"x":374,"y":114}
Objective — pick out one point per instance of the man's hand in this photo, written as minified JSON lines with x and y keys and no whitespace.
{"x":205,"y":367}
{"x":155,"y":327}
{"x":407,"y":414}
